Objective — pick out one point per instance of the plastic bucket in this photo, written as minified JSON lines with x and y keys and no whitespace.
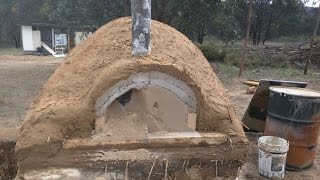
{"x":272,"y":156}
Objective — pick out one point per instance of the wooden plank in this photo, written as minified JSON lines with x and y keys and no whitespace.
{"x":153,"y":140}
{"x":251,"y":83}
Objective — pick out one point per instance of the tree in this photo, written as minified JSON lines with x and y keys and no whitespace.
{"x":195,"y":18}
{"x":224,"y":23}
{"x":192,"y":16}
{"x":268,"y":14}
{"x":246,"y":39}
{"x":13,"y":13}
{"x":87,"y":14}
{"x":159,"y":10}
{"x":314,"y":35}
{"x":8,"y":10}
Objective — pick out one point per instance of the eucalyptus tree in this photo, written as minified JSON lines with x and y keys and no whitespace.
{"x":192,"y":17}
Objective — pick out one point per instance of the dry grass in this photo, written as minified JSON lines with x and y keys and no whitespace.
{"x":10,"y":51}
{"x":2,"y":101}
{"x":8,"y":163}
{"x":229,"y":73}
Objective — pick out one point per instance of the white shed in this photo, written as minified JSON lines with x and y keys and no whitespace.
{"x":47,"y":36}
{"x":30,"y":38}
{"x":35,"y":34}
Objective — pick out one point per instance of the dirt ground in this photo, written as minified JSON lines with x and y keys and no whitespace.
{"x":21,"y":77}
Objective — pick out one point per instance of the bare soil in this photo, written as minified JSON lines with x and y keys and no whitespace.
{"x":21,"y":78}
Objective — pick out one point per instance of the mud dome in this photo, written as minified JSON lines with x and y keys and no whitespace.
{"x":100,"y":86}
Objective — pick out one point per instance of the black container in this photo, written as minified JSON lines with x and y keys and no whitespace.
{"x":294,"y":114}
{"x":256,"y":113}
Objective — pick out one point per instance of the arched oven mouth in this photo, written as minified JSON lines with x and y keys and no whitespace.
{"x":149,"y":109}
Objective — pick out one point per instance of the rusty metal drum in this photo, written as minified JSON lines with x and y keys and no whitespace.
{"x":294,"y":114}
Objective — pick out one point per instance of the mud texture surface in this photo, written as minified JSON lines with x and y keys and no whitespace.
{"x":64,"y":108}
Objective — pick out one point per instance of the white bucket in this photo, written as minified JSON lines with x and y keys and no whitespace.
{"x":272,"y":156}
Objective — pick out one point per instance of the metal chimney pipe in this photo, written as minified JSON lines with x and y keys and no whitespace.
{"x":141,"y":27}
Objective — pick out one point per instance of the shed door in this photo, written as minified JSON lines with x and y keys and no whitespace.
{"x":36,"y":36}
{"x":27,"y":41}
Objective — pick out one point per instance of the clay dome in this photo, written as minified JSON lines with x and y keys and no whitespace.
{"x":73,"y":98}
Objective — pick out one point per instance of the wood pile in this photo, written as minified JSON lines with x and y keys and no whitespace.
{"x":298,"y":53}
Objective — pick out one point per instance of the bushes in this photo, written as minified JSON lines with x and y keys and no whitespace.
{"x":212,"y":53}
{"x":278,"y":61}
{"x":257,"y":57}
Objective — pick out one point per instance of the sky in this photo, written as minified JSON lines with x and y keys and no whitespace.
{"x":310,"y":3}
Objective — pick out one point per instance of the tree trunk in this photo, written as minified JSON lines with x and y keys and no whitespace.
{"x":254,"y":36}
{"x":258,"y":28}
{"x":155,"y":10}
{"x":15,"y":35}
{"x":16,"y":40}
{"x":314,"y":35}
{"x":268,"y":29}
{"x":161,"y":10}
{"x":245,"y":43}
{"x":126,"y":7}
{"x":201,"y":34}
{"x":0,"y":30}
{"x":259,"y":36}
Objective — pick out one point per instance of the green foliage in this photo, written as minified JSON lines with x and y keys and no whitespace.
{"x":293,"y":39}
{"x":44,"y":9}
{"x":224,"y":19}
{"x":192,"y":17}
{"x":16,"y":12}
{"x":268,"y":15}
{"x":279,"y":61}
{"x":252,"y":61}
{"x":299,"y":23}
{"x":212,"y":53}
{"x":224,"y":24}
{"x":76,"y":14}
{"x":257,"y":57}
